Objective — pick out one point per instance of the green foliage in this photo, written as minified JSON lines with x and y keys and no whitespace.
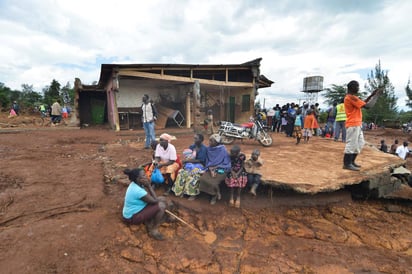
{"x":5,"y":92}
{"x":385,"y":107}
{"x":323,"y":116}
{"x":52,"y":92}
{"x":28,"y":97}
{"x":334,"y":94}
{"x":405,"y":117}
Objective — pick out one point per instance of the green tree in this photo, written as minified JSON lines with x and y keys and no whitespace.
{"x":29,"y":97}
{"x":334,"y":94}
{"x":5,"y":93}
{"x":385,"y":107}
{"x":408,"y":91}
{"x":52,"y":92}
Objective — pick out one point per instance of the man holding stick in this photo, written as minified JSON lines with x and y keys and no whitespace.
{"x":354,"y":134}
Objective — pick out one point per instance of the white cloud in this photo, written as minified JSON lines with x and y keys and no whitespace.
{"x":61,"y":39}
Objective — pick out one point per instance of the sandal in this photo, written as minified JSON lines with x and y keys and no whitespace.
{"x":237,"y":204}
{"x":232,"y":202}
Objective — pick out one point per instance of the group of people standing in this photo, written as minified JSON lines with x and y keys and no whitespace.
{"x":290,"y":119}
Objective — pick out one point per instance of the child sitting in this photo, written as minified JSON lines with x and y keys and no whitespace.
{"x":253,"y":169}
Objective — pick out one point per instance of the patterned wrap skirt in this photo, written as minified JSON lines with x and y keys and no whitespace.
{"x":240,"y":181}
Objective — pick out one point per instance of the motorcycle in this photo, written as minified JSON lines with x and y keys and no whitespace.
{"x":252,"y":130}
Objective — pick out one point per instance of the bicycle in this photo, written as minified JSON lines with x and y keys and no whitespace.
{"x":43,"y":120}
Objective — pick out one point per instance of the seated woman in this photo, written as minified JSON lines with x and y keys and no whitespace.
{"x":166,"y":160}
{"x":193,"y":166}
{"x":217,"y":164}
{"x":141,"y":205}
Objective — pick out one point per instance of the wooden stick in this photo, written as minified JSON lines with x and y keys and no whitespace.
{"x":183,"y":221}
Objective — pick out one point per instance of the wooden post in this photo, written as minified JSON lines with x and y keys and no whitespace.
{"x":188,"y":110}
{"x":196,"y":108}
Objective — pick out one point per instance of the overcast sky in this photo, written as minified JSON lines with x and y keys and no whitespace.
{"x":42,"y":40}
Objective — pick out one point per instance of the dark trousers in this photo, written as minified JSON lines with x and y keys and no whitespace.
{"x":276,"y":125}
{"x":253,"y":178}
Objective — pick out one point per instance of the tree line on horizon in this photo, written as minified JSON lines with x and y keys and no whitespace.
{"x":29,"y":100}
{"x":385,"y":109}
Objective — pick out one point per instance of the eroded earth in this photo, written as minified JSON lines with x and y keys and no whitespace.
{"x":61,"y":195}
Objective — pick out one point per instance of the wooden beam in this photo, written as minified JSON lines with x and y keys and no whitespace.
{"x":185,"y":68}
{"x":157,"y":76}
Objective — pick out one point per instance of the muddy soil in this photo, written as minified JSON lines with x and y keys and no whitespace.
{"x":61,"y":195}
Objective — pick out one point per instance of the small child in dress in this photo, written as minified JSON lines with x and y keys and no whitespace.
{"x":253,"y":169}
{"x":308,"y":126}
{"x":237,"y":177}
{"x":297,"y":130}
{"x":209,"y":120}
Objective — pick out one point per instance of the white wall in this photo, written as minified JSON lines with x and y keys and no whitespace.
{"x":130,"y":93}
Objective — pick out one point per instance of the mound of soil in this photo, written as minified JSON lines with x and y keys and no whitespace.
{"x":61,"y":196}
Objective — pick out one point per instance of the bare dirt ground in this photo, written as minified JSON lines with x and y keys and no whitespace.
{"x":61,"y":195}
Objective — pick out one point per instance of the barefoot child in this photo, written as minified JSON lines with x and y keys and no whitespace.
{"x":236,"y":178}
{"x":252,"y":167}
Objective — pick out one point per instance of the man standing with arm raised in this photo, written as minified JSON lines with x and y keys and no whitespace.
{"x":354,"y":135}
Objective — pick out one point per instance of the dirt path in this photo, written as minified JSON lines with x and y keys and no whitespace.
{"x":61,"y":196}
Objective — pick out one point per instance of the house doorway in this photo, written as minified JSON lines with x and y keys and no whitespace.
{"x":92,"y":108}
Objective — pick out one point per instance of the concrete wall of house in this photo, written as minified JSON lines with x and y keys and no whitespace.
{"x":131,"y":92}
{"x":218,"y":102}
{"x":244,"y":116}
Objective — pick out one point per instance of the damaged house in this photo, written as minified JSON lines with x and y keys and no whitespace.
{"x":182,"y":93}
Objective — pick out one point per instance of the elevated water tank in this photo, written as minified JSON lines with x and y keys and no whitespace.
{"x":313,"y":84}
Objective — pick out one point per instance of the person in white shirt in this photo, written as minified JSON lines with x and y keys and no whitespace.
{"x":166,"y":160}
{"x":403,"y":151}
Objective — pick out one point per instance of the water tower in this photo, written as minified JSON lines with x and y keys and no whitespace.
{"x":311,"y":87}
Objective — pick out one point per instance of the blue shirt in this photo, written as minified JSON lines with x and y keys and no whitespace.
{"x":133,"y":202}
{"x":201,"y":154}
{"x":298,"y":121}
